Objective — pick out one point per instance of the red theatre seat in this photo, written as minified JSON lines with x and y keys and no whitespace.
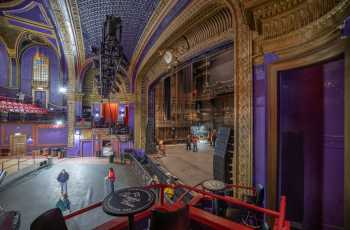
{"x":9,"y":106}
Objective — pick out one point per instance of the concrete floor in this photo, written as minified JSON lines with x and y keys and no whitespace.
{"x":190,"y":167}
{"x":40,"y":191}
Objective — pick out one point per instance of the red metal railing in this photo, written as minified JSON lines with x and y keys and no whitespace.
{"x":280,"y":222}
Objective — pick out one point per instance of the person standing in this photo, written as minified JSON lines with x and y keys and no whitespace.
{"x":111,"y":178}
{"x":162,"y":147}
{"x":195,"y":143}
{"x":63,"y":179}
{"x":209,"y":138}
{"x":213,"y":137}
{"x":188,"y":142}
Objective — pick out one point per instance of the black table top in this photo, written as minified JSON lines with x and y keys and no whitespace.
{"x":128,"y":201}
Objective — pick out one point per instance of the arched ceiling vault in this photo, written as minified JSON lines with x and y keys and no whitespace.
{"x":134,"y":14}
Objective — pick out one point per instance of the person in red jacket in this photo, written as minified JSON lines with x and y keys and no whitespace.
{"x":111,"y":178}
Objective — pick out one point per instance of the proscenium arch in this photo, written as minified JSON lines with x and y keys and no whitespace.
{"x":242,"y":37}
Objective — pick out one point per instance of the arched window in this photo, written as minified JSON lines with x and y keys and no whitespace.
{"x":40,"y":80}
{"x":40,"y":70}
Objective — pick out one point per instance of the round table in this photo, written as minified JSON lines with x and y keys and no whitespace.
{"x":217,"y":187}
{"x":128,"y":202}
{"x":214,"y":185}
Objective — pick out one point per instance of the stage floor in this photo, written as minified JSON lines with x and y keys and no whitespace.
{"x":38,"y":192}
{"x":190,"y":167}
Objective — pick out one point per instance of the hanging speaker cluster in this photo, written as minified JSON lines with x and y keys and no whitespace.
{"x":109,"y":57}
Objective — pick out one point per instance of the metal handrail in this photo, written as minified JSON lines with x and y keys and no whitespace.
{"x":280,"y":224}
{"x":18,"y":163}
{"x":140,"y":170}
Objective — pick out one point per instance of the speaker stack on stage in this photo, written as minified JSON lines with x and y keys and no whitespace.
{"x":223,"y":155}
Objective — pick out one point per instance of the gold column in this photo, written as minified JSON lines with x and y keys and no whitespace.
{"x":138,"y":108}
{"x":346,"y":137}
{"x":242,"y":165}
{"x":79,"y":99}
{"x":12,"y":64}
{"x":71,"y":99}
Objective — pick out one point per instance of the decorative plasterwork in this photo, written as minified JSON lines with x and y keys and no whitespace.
{"x":32,"y":40}
{"x":294,"y":19}
{"x":33,"y":14}
{"x":134,"y":15}
{"x":74,"y":11}
{"x":66,"y":27}
{"x":316,"y":26}
{"x":181,"y":20}
{"x":273,"y":8}
{"x":214,"y":30}
{"x":159,"y":13}
{"x":10,"y":3}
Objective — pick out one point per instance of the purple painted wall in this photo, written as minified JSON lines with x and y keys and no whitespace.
{"x":87,"y":148}
{"x":45,"y":136}
{"x":54,"y":72}
{"x":74,"y":151}
{"x":33,"y":14}
{"x":13,"y":73}
{"x":259,"y":124}
{"x":131,"y":116}
{"x":52,"y":136}
{"x":333,"y":156}
{"x":3,"y":66}
{"x":29,"y":26}
{"x":312,"y":105}
{"x":78,"y":108}
{"x":8,"y":129}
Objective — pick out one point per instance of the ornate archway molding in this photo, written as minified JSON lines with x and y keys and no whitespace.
{"x":242,"y":37}
{"x":73,"y":53}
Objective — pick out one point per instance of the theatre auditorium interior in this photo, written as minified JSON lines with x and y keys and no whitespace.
{"x":175,"y":114}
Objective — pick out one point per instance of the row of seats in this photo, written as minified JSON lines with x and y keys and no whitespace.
{"x":16,"y":107}
{"x":2,"y":98}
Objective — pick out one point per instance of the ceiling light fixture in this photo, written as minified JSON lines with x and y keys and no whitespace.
{"x":62,"y":89}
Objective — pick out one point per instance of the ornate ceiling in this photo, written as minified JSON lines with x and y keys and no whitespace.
{"x":134,"y":15}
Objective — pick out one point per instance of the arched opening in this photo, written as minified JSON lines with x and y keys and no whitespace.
{"x":41,"y":77}
{"x":4,"y":81}
{"x":191,"y":97}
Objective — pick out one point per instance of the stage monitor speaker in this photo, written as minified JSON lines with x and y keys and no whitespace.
{"x":222,"y":162}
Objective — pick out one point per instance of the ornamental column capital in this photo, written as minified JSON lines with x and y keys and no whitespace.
{"x":12,"y":53}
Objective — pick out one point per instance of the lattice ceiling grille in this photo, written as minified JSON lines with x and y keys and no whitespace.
{"x":134,"y":15}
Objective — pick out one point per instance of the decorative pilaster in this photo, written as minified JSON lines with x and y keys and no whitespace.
{"x":12,"y":78}
{"x":66,"y":25}
{"x":243,"y":113}
{"x":78,"y":104}
{"x":71,"y":99}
